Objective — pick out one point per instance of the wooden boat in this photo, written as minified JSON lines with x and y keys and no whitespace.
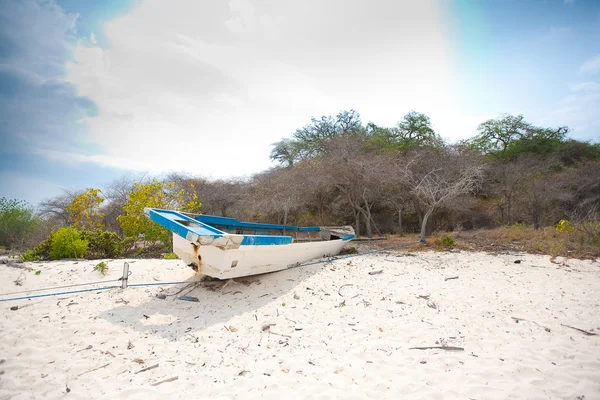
{"x":226,"y":248}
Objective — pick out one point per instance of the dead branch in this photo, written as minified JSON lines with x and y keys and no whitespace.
{"x":449,"y":348}
{"x":165,"y":381}
{"x":580,"y":330}
{"x":147,"y":368}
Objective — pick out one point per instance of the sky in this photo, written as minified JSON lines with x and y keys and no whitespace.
{"x":91,"y":91}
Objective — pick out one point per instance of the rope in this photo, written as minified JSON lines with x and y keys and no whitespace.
{"x":178,"y":283}
{"x":59,"y":287}
{"x":89,"y":290}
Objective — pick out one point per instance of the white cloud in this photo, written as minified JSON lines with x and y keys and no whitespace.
{"x":92,"y":38}
{"x":585,"y":87}
{"x":591,"y":66}
{"x":206,"y":88}
{"x":579,"y":109}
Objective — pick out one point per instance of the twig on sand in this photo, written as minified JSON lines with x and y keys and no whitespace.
{"x":347,"y":284}
{"x":94,"y":369}
{"x":147,"y":368}
{"x":521,"y":319}
{"x":580,"y":330}
{"x":449,"y":348}
{"x":165,"y":381}
{"x":279,"y":334}
{"x":452,"y":277}
{"x":376,"y":272}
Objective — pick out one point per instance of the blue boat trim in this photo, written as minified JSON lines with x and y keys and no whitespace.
{"x":182,"y":225}
{"x":232,"y":223}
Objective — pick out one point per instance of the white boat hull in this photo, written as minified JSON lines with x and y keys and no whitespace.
{"x":251,"y":260}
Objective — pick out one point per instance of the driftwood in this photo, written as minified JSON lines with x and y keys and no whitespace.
{"x":580,"y":330}
{"x":94,"y":369}
{"x":521,"y":319}
{"x":165,"y":381}
{"x":147,"y":368}
{"x":449,"y":348}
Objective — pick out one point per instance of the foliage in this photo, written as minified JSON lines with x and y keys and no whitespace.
{"x":103,"y":244}
{"x":564,"y":226}
{"x":134,"y":222}
{"x":85,"y":209}
{"x":17,"y":221}
{"x":101,"y":267}
{"x":447,"y":241}
{"x":349,"y":250}
{"x":30,"y":256}
{"x":67,"y":243}
{"x":510,"y":136}
{"x":311,"y":140}
{"x":170,"y":256}
{"x":414,"y":130}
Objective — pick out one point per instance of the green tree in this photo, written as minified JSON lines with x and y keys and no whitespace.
{"x":414,"y":130}
{"x":311,"y":140}
{"x":17,"y":222}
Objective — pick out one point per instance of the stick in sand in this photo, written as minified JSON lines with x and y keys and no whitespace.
{"x":449,"y":348}
{"x":165,"y":381}
{"x":581,"y":330}
{"x":147,"y":368}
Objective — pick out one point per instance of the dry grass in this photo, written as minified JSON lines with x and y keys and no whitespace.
{"x":574,"y":244}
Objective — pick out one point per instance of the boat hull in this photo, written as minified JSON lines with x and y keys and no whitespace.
{"x":248,"y":260}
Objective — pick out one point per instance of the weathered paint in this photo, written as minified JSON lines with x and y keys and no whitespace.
{"x":252,"y":260}
{"x":222,"y":255}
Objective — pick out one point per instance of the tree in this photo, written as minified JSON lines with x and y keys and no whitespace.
{"x":85,"y":209}
{"x":311,"y":140}
{"x":57,"y":208}
{"x":414,"y":130}
{"x":153,"y":194}
{"x":437,"y":176}
{"x":357,"y":173}
{"x":511,"y":136}
{"x":17,"y":222}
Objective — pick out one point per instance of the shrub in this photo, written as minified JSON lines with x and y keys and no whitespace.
{"x":17,"y":221}
{"x":447,"y":241}
{"x":170,"y":256}
{"x":67,"y":243}
{"x":349,"y":250}
{"x":103,"y":244}
{"x":101,"y":267}
{"x":30,"y":256}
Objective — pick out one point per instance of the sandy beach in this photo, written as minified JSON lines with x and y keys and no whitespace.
{"x":350,"y":328}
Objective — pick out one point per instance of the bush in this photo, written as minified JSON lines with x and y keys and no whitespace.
{"x":103,"y":244}
{"x":17,"y":221}
{"x":101,"y":267}
{"x":170,"y":256}
{"x":67,"y":243}
{"x":447,"y":241}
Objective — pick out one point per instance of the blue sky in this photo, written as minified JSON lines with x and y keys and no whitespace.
{"x":90,"y":91}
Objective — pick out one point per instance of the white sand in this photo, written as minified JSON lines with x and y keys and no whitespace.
{"x":326,"y":340}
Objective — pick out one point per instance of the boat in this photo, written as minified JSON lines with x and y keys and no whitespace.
{"x":226,"y":248}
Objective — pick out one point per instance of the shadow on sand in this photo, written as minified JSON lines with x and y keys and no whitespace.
{"x":218,"y":302}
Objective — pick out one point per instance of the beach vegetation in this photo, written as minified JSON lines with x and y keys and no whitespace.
{"x":17,"y":222}
{"x":85,"y":209}
{"x":66,"y":242}
{"x":101,"y":267}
